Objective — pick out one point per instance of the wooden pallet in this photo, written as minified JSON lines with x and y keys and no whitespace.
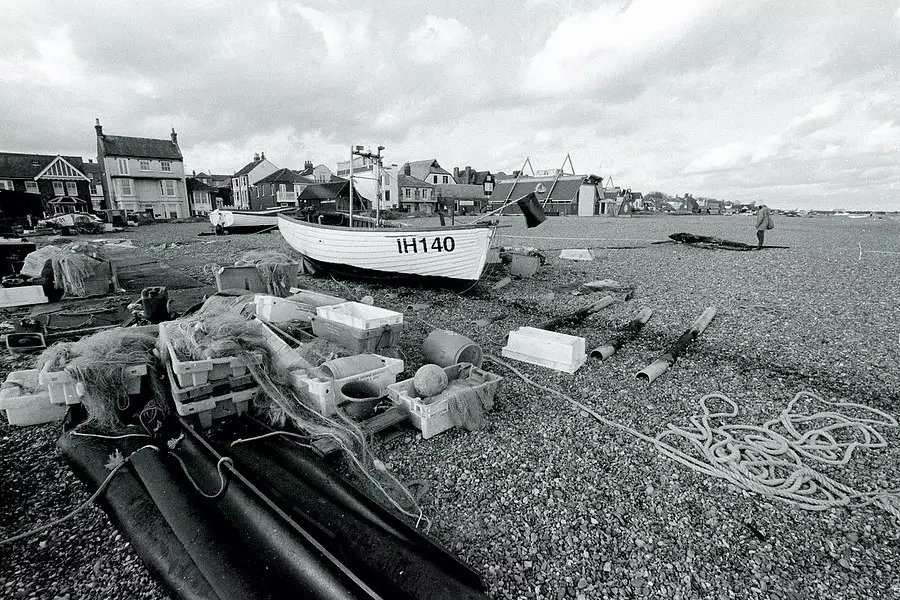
{"x":389,"y":418}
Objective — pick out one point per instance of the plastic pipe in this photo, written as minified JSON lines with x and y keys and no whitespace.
{"x":628,"y":333}
{"x":667,"y":359}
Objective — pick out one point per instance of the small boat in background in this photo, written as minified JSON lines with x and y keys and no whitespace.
{"x":246,"y":220}
{"x":450,"y":256}
{"x":863,"y":216}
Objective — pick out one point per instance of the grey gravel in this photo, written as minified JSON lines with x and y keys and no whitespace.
{"x":547,"y":503}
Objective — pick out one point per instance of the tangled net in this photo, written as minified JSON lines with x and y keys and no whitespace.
{"x":99,"y":363}
{"x":278,"y":272}
{"x":203,"y":336}
{"x":72,"y":265}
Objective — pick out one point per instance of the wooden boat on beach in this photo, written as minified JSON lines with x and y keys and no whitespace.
{"x":441,"y":255}
{"x":232,"y":220}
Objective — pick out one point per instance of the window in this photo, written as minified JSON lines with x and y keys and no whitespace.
{"x":7,"y":184}
{"x":125,"y":187}
{"x":31,"y":187}
{"x":426,"y":193}
{"x":446,"y":180}
{"x":71,"y":188}
{"x":165,"y":166}
{"x":407,"y":193}
{"x":167,"y":187}
{"x":96,"y":189}
{"x":435,"y":179}
{"x":145,"y":165}
{"x":58,"y":188}
{"x":123,"y":166}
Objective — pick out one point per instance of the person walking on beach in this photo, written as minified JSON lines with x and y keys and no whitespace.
{"x":763,"y":223}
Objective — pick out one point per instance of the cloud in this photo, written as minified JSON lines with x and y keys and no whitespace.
{"x":721,"y":158}
{"x":436,"y":38}
{"x":587,"y":50}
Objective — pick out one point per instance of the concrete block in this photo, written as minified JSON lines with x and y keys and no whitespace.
{"x":576,"y":254}
{"x":241,"y":278}
{"x":524,"y":266}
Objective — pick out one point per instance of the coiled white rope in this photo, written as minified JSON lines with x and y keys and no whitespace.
{"x":775,"y":459}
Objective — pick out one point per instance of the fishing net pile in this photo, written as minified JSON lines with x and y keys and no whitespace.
{"x":278,"y":272}
{"x":98,"y":364}
{"x":71,"y":265}
{"x":205,"y":336}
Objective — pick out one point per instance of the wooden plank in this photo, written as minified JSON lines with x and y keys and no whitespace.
{"x":26,"y":295}
{"x":392,"y":416}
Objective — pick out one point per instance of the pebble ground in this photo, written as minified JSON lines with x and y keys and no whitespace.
{"x":545,"y":501}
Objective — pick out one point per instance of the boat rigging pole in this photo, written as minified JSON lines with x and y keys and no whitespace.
{"x":377,"y":171}
{"x":351,"y":186}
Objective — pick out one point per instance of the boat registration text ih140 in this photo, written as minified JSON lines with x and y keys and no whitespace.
{"x":414,"y":245}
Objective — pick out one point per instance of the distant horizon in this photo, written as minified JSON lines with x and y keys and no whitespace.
{"x":794,"y":104}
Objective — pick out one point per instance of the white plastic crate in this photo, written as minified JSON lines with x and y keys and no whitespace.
{"x":323,"y":394}
{"x":434,"y":417}
{"x":546,"y":348}
{"x":217,"y":407}
{"x":358,"y":315}
{"x":65,"y":389}
{"x":279,"y":310}
{"x":25,"y":402}
{"x":190,"y":373}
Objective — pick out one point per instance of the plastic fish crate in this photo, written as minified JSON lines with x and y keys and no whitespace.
{"x":65,"y":389}
{"x":25,"y":403}
{"x":217,"y":407}
{"x":279,"y":310}
{"x":358,"y":315}
{"x":190,"y":373}
{"x":323,"y":394}
{"x":356,"y":339}
{"x":434,"y":418}
{"x":218,"y":387}
{"x":546,"y":348}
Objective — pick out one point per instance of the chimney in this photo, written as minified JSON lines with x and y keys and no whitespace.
{"x":256,"y":156}
{"x":406,"y":169}
{"x":307,"y":165}
{"x":98,"y":128}
{"x":174,"y":137}
{"x":456,"y":173}
{"x":262,"y":155}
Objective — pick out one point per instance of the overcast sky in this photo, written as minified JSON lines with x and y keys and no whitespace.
{"x":793,"y":102}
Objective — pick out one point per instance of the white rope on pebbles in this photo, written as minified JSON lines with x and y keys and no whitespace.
{"x":775,"y":459}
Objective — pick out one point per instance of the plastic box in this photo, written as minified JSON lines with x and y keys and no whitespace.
{"x":279,"y":310}
{"x":356,"y":339}
{"x":65,"y":389}
{"x":219,"y":387}
{"x":217,"y":407}
{"x":546,"y":348}
{"x":26,"y":404}
{"x":434,"y":418}
{"x":323,"y":394}
{"x":358,"y":315}
{"x":190,"y":373}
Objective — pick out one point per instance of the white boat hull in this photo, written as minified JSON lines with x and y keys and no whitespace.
{"x":456,"y":253}
{"x":230,"y":219}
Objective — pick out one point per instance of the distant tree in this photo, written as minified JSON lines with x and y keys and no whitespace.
{"x":657,"y":198}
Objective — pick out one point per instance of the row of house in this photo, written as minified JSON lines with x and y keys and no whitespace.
{"x":147,"y":176}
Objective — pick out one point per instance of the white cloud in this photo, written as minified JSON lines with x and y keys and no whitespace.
{"x":609,"y":40}
{"x":340,"y":32}
{"x":722,"y":158}
{"x":436,"y":38}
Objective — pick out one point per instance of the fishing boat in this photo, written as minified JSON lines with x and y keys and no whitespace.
{"x":454,"y":255}
{"x":245,"y":220}
{"x":860,"y":216}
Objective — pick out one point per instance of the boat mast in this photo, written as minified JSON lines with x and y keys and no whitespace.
{"x":351,"y":186}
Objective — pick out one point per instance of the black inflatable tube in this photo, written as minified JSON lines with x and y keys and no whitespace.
{"x":394,"y":569}
{"x":133,"y":513}
{"x":295,"y":566}
{"x":309,"y":470}
{"x":205,"y":537}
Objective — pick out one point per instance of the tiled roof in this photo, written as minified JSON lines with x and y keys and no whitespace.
{"x":120,"y":145}
{"x":323,"y":191}
{"x":565,"y":189}
{"x":27,"y":166}
{"x":284,"y":176}
{"x":408,"y":181}
{"x":195,"y":185}
{"x":420,"y":169}
{"x":249,"y":167}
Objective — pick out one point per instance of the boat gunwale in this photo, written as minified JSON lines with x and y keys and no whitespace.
{"x":395,"y":230}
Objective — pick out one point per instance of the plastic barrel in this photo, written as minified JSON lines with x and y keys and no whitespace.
{"x":445,"y":348}
{"x":341,"y":368}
